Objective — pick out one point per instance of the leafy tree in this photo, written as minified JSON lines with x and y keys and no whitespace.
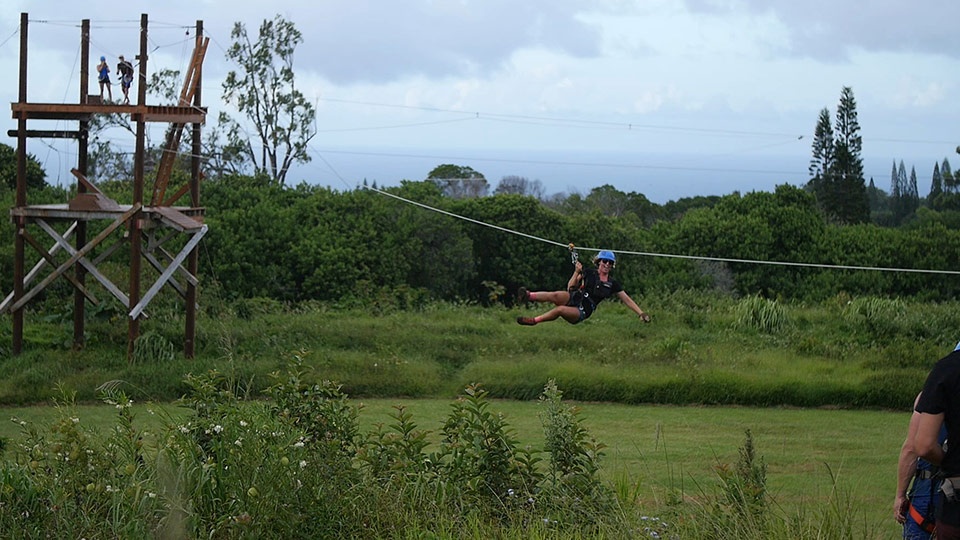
{"x":459,"y":182}
{"x":780,"y":226}
{"x":36,"y":176}
{"x":519,"y":185}
{"x":879,"y":205}
{"x":265,"y":93}
{"x":251,"y":237}
{"x":507,"y":259}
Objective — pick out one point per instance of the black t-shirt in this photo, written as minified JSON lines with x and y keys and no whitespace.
{"x":941,"y":394}
{"x":596,"y":289}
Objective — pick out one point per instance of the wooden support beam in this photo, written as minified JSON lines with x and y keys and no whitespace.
{"x":37,"y":267}
{"x":53,"y":262}
{"x":177,"y":261}
{"x":78,"y":255}
{"x":48,"y":134}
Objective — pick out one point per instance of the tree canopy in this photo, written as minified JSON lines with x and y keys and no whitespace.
{"x":263,"y":91}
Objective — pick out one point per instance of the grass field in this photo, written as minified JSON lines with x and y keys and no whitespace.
{"x":824,"y":389}
{"x":655,"y":452}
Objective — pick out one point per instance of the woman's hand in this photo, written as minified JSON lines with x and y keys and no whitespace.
{"x":644,"y":316}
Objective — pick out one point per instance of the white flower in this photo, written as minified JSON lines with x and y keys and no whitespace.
{"x":243,"y":423}
{"x":218,"y":428}
{"x":303,"y":464}
{"x":298,"y":444}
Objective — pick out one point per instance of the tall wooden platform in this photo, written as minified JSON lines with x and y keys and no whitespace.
{"x":146,"y":229}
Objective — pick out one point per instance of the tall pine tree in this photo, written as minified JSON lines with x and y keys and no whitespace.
{"x":821,"y":162}
{"x":949,"y":182}
{"x":850,"y":194}
{"x":936,"y":184}
{"x":836,"y":168}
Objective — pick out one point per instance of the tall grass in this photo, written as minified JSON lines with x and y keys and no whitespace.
{"x":300,"y":465}
{"x":699,"y":349}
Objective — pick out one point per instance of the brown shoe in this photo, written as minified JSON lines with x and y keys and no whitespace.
{"x":526,"y":321}
{"x":523,"y":295}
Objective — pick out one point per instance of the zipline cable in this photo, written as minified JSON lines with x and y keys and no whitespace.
{"x":669,"y":255}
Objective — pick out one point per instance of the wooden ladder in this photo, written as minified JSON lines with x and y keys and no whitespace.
{"x":172,"y":144}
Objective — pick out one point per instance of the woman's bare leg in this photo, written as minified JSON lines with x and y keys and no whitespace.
{"x":557,"y":298}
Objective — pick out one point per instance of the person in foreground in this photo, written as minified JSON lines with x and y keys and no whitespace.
{"x":917,"y":486}
{"x":938,"y":405}
{"x":585,"y":290}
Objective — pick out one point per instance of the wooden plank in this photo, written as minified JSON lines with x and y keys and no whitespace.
{"x":175,"y":219}
{"x":87,"y":184}
{"x":177,"y":261}
{"x":84,"y":111}
{"x":37,"y":267}
{"x":49,"y":258}
{"x":47,"y":134}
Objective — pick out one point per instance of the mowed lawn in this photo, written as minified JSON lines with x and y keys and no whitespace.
{"x":655,"y":452}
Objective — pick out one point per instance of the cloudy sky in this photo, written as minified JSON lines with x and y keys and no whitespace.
{"x":669,"y":98}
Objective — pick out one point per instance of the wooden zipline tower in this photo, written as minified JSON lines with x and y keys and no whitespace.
{"x":144,"y":226}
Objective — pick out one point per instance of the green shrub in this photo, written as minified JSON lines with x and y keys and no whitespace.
{"x":761,"y":314}
{"x":251,"y":308}
{"x":153,"y":347}
{"x":877,"y":318}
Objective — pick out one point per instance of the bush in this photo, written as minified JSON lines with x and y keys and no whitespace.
{"x":761,"y":314}
{"x":297,"y":466}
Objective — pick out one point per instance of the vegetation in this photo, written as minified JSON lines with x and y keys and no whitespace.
{"x":303,"y":465}
{"x":390,"y":299}
{"x":836,"y":168}
{"x":700,"y":349}
{"x":264,"y":92}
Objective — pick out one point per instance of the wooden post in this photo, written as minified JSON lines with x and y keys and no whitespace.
{"x":20,"y":227}
{"x":190,"y":326}
{"x":136,"y":234}
{"x":80,"y":273}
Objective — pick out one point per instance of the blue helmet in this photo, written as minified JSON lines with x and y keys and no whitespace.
{"x":608,"y":255}
{"x":103,"y":58}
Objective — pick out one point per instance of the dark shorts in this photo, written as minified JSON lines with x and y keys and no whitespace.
{"x":126,"y":80}
{"x":584,"y":304}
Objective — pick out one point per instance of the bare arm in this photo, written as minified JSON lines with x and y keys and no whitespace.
{"x":925,"y":442}
{"x":574,"y":282}
{"x":625,"y":298}
{"x":906,"y":467}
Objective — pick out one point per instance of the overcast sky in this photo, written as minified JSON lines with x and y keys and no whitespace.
{"x":669,"y":98}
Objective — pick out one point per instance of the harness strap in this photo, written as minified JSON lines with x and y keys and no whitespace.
{"x":927,"y":525}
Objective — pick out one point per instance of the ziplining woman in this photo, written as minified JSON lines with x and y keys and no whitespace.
{"x":586,"y":288}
